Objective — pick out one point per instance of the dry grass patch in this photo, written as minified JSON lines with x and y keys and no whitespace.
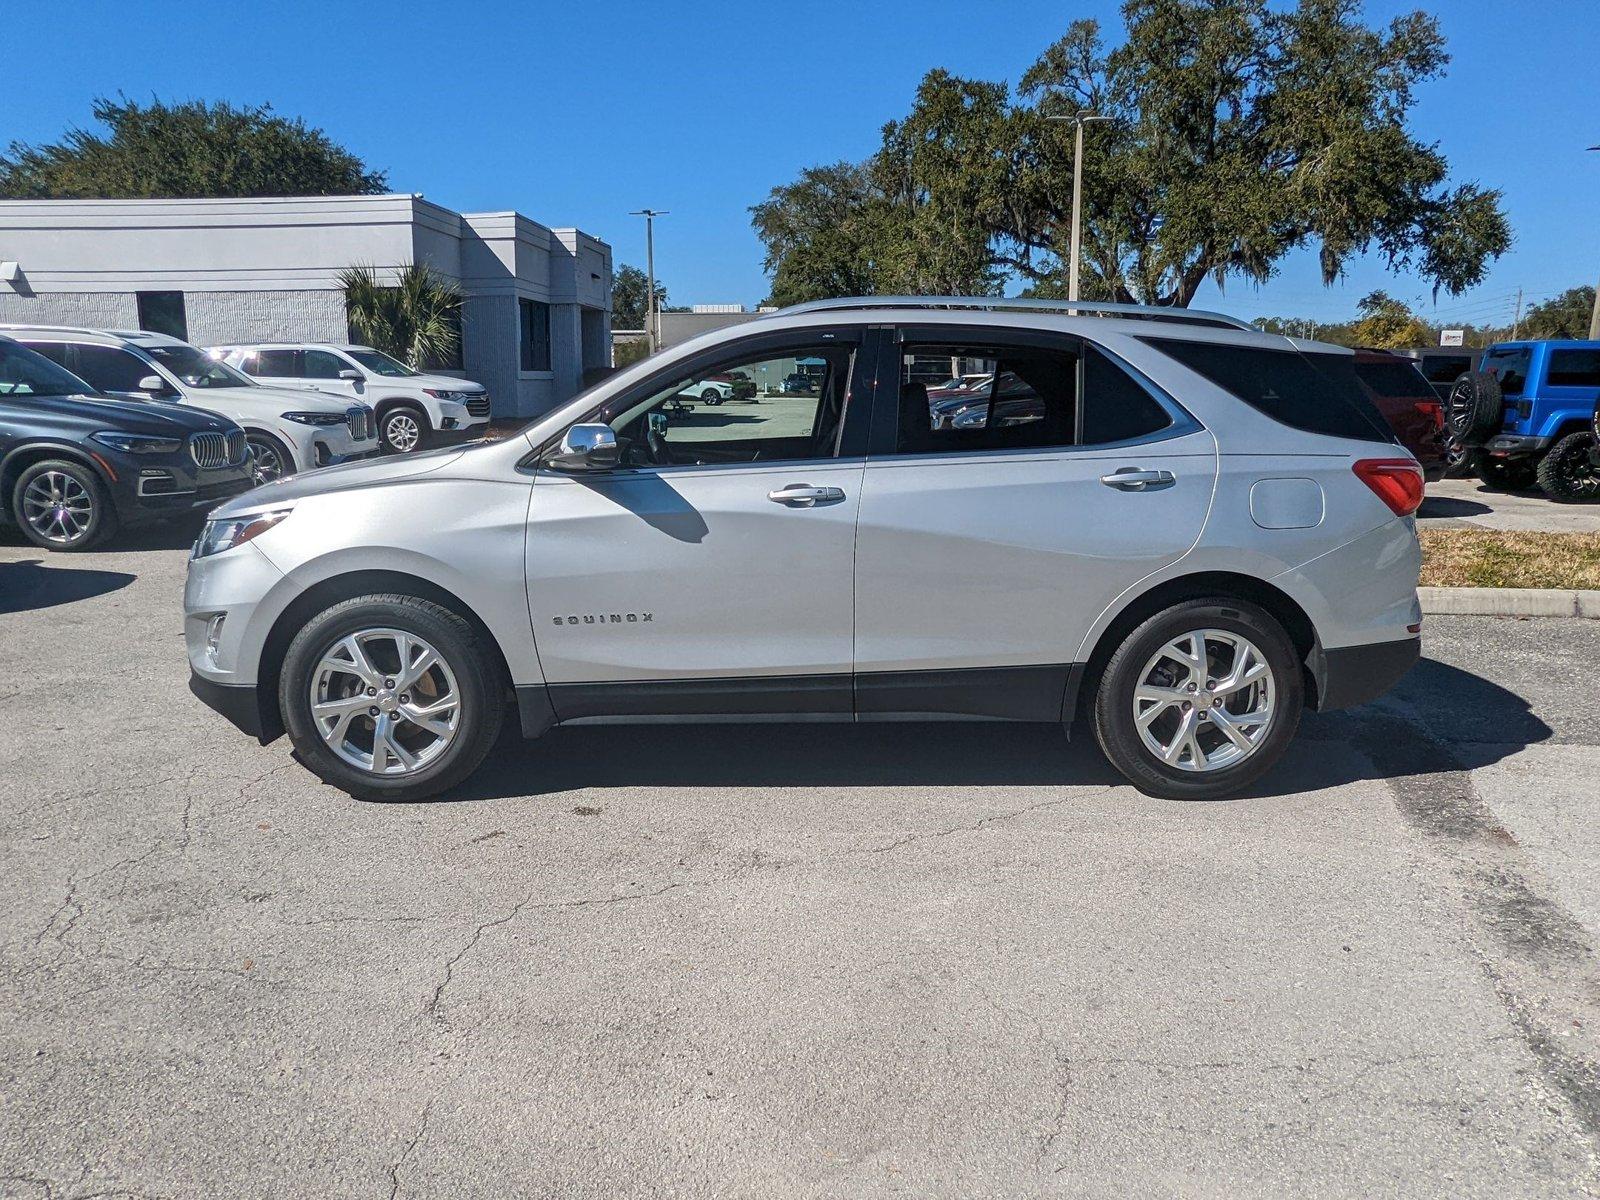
{"x":1509,"y":559}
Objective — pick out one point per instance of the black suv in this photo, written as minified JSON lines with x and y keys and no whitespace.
{"x":75,"y":466}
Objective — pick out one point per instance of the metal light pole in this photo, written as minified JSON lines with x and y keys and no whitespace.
{"x":652,"y":321}
{"x":1079,"y":120}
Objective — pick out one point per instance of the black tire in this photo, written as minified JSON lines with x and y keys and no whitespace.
{"x":1568,"y":473}
{"x":389,"y":431}
{"x":87,"y":517}
{"x":1459,"y":461}
{"x":478,"y":676}
{"x":1475,"y":408}
{"x":270,"y":458}
{"x":1505,"y":474}
{"x":711,"y":396}
{"x":1114,"y":722}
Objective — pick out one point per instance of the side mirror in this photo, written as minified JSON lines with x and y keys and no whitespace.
{"x":152,"y":383}
{"x":353,"y":375}
{"x":586,"y":448}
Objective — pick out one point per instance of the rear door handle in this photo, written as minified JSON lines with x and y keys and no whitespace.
{"x":1137,"y":479}
{"x":803,"y":495}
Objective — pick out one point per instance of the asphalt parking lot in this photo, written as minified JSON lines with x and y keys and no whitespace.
{"x":1466,"y":503}
{"x":768,"y":961}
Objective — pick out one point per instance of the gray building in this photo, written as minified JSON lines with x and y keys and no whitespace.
{"x":538,"y":300}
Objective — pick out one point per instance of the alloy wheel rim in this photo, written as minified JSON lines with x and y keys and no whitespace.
{"x":57,"y":507}
{"x":385,"y":701}
{"x":1205,"y":701}
{"x":266,"y":463}
{"x":403,"y":432}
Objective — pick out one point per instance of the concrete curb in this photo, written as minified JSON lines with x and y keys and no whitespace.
{"x":1509,"y":602}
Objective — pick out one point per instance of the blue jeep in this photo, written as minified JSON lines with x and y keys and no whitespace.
{"x":1529,"y":412}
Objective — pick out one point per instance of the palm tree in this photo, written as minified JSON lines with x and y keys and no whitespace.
{"x":417,"y":321}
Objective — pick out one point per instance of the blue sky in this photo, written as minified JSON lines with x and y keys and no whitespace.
{"x":576,"y":113}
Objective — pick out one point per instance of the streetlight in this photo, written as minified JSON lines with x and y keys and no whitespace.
{"x":1079,"y":120}
{"x":651,"y":318}
{"x":1594,"y":313}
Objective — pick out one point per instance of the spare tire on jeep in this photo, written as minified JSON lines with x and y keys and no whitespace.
{"x":1475,"y":407}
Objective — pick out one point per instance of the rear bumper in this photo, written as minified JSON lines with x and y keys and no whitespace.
{"x":1507,"y":444}
{"x":1352,"y":675}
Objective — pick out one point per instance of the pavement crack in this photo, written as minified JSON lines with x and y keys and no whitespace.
{"x":1009,"y":815}
{"x":411,"y":1146}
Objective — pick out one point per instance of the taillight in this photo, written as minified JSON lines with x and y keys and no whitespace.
{"x":1433,"y":411}
{"x":1395,"y":481}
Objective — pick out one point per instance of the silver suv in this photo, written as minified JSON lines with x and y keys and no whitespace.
{"x":1170,"y":524}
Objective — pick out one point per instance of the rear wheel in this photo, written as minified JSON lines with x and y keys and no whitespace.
{"x":60,"y":505}
{"x":1505,"y":474}
{"x":1569,"y":472}
{"x":390,"y":697}
{"x":1459,"y":461}
{"x":1200,"y":700}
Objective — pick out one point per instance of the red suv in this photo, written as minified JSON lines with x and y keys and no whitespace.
{"x":1408,"y":402}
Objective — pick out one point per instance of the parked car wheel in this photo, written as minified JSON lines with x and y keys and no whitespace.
{"x":1459,"y":461}
{"x":1200,"y":700}
{"x":1568,"y":471}
{"x":390,"y":697}
{"x":1505,"y":474}
{"x":60,"y":505}
{"x":1475,"y":408}
{"x":711,"y":396}
{"x":270,"y":458}
{"x":402,"y":429}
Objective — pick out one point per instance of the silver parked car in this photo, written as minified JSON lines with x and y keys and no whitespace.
{"x":1175,"y":526}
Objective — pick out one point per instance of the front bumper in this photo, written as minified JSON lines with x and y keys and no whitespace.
{"x":1351,"y":675}
{"x":240,"y":703}
{"x":146,"y":490}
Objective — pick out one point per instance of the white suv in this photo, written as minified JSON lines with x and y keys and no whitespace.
{"x":288,"y":430}
{"x":1173,"y":525}
{"x":414,"y":409}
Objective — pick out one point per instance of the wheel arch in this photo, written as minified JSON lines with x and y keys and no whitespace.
{"x":330,"y":591}
{"x":22,"y":457}
{"x":1296,"y":623}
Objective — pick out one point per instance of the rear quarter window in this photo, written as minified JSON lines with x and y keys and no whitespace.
{"x":1315,"y":393}
{"x":1575,"y":368}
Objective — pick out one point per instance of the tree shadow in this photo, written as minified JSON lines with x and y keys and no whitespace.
{"x":1439,"y":718}
{"x":29,"y":584}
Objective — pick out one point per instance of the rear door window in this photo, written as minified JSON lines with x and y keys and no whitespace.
{"x":1316,"y":393}
{"x":1006,"y":398}
{"x":1575,"y":368}
{"x":319,"y":364}
{"x":1510,"y":367}
{"x":110,"y":369}
{"x":278,"y":364}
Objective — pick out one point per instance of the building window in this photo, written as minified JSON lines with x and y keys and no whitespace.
{"x":162,"y":312}
{"x":535,"y":335}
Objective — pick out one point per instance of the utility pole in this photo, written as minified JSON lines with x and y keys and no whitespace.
{"x":1079,"y":120}
{"x":1594,"y":312}
{"x":1516,"y":323}
{"x":652,"y":319}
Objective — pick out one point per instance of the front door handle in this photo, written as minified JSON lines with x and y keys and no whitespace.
{"x":1136,"y":479}
{"x":803,"y":495}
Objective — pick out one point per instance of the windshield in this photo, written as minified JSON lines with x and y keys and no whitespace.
{"x":380,"y":363}
{"x":195,"y":369}
{"x":24,"y":373}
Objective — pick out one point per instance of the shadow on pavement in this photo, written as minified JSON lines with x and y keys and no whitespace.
{"x":1440,"y":507}
{"x":1467,"y":722}
{"x":29,"y":585}
{"x":178,"y":534}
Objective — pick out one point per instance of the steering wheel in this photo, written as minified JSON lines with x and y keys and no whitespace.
{"x":660,"y":452}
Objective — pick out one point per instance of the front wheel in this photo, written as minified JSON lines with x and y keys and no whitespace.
{"x":1200,"y":700}
{"x":390,"y":697}
{"x":402,"y":430}
{"x":60,"y":505}
{"x":269,"y":458}
{"x":1569,"y":471}
{"x":711,"y":396}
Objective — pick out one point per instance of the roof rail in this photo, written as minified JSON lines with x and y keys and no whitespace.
{"x":1096,"y":308}
{"x":57,"y":328}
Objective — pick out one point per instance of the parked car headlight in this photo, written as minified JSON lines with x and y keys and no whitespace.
{"x":314,"y":418}
{"x":133,"y":443}
{"x":971,"y":418}
{"x":224,"y":533}
{"x":440,"y":394}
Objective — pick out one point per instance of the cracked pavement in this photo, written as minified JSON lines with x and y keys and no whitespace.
{"x":803,"y":961}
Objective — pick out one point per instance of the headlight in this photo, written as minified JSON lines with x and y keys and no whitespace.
{"x":439,"y":394}
{"x":314,"y":418}
{"x":224,"y":533}
{"x":971,"y":418}
{"x":133,"y":443}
